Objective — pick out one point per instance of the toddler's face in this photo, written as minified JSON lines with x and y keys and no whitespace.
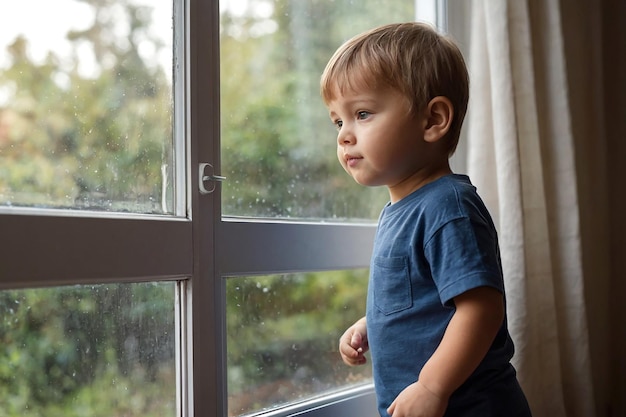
{"x":379,"y":141}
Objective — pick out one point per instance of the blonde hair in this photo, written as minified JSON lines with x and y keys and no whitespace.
{"x":411,"y":58}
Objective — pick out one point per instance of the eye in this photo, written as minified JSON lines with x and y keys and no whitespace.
{"x":338,"y":124}
{"x":362,"y":115}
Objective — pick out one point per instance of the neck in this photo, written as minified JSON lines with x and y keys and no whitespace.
{"x":416,"y":181}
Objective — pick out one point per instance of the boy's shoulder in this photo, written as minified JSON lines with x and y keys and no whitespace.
{"x":450,"y":191}
{"x":448,"y":198}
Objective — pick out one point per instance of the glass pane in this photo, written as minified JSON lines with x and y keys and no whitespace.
{"x":97,"y":351}
{"x":278,"y":144}
{"x":282,"y":337}
{"x":86,"y":105}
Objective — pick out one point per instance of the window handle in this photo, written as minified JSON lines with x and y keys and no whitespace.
{"x":203,"y":176}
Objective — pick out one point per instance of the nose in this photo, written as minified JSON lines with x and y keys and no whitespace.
{"x":346,"y":136}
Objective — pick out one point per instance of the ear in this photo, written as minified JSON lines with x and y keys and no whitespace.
{"x":439,"y":114}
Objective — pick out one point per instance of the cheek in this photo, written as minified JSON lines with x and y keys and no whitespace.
{"x":342,"y":162}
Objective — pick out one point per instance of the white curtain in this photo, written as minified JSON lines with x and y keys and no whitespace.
{"x":521,"y":158}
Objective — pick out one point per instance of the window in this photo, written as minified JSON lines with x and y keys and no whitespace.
{"x":86,"y":107}
{"x":96,"y":237}
{"x":134,"y":291}
{"x":103,"y":350}
{"x":282,"y":333}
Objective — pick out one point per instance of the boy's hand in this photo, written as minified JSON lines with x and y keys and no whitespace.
{"x":417,"y":401}
{"x":353,"y":344}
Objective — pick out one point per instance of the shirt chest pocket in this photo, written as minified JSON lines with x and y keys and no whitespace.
{"x":391,"y":284}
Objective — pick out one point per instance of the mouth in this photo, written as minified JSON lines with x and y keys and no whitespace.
{"x":352,"y":160}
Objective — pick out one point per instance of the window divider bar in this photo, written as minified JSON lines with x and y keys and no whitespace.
{"x":254,"y":248}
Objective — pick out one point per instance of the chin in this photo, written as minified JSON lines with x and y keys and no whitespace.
{"x":367,"y":183}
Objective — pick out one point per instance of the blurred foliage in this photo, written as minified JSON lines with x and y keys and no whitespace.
{"x":278,"y":144}
{"x":95,"y":141}
{"x":282,"y":334}
{"x":88,"y":350}
{"x":103,"y":141}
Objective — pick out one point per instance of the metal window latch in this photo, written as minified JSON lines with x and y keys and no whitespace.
{"x":203,"y":177}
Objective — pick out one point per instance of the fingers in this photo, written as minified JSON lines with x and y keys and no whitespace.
{"x":356,"y":340}
{"x":417,"y":400}
{"x":352,"y":346}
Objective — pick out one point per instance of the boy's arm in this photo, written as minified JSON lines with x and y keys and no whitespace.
{"x":470,"y":333}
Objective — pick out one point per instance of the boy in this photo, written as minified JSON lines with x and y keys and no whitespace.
{"x":435,"y":319}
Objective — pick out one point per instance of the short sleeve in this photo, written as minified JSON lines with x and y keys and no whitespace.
{"x":463,"y":254}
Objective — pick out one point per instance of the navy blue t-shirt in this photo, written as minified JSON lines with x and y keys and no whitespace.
{"x":430,"y":247}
